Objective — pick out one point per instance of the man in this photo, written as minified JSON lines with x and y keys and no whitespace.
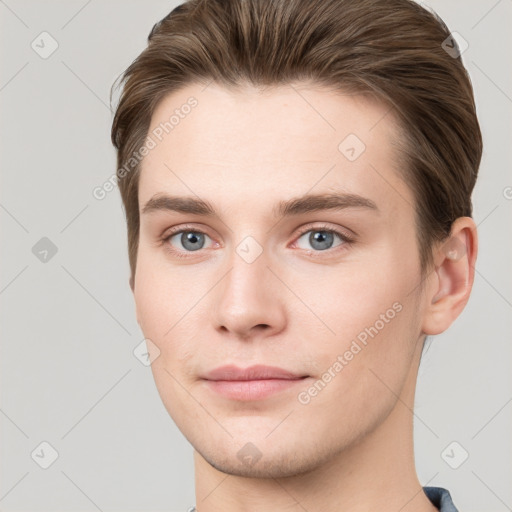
{"x":297,"y":179}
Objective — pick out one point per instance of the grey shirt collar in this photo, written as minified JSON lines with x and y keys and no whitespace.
{"x":440,"y":498}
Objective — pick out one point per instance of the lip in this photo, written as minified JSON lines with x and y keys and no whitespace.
{"x":254,"y":383}
{"x":256,"y":372}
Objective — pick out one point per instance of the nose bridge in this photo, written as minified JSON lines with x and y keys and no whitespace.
{"x":248,"y":297}
{"x":248,"y":279}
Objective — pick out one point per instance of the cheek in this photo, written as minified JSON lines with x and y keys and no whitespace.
{"x":168,"y":305}
{"x":351,"y":299}
{"x":166,"y":308}
{"x":159,"y":298}
{"x":362,"y":370}
{"x":376,"y":324}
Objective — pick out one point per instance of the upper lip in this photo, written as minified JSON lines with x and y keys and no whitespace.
{"x":257,"y":372}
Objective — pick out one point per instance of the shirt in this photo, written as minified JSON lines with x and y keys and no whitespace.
{"x":439,"y":497}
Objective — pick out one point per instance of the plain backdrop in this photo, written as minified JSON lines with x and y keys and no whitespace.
{"x":69,"y":377}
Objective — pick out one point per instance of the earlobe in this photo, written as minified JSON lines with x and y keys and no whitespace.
{"x":453,"y":277}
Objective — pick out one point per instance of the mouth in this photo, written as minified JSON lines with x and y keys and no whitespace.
{"x":253,"y":383}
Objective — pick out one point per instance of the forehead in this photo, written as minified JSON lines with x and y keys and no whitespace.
{"x":280,"y":142}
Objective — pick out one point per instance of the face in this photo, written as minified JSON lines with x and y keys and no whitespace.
{"x":324,"y":287}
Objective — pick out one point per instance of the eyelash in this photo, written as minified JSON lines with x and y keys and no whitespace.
{"x":346,"y":240}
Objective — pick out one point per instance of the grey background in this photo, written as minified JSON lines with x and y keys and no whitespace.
{"x":68,"y":373}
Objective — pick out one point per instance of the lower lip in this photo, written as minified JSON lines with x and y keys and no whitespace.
{"x":251,"y":389}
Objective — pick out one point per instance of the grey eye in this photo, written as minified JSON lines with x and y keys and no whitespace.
{"x":190,"y":240}
{"x":319,"y":239}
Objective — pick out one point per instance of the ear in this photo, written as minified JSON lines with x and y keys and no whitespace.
{"x":453,"y":276}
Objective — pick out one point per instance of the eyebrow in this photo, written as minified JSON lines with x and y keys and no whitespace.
{"x":287,"y":208}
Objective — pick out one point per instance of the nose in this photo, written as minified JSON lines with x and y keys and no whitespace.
{"x":249,"y":300}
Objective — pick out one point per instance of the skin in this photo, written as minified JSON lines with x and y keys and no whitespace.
{"x":295,"y":306}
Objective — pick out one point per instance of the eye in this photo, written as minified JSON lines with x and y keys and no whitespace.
{"x":322,"y":239}
{"x":190,"y":240}
{"x":183,"y":242}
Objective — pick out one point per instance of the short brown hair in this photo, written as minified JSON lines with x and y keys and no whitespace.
{"x":394,"y":50}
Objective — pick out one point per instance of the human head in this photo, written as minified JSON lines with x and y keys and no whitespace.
{"x":374,"y":68}
{"x":392,"y":50}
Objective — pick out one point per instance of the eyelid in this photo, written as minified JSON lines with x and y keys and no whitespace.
{"x":183,"y":227}
{"x":344,"y":233}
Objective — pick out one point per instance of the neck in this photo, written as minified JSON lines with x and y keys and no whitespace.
{"x":375,"y":473}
